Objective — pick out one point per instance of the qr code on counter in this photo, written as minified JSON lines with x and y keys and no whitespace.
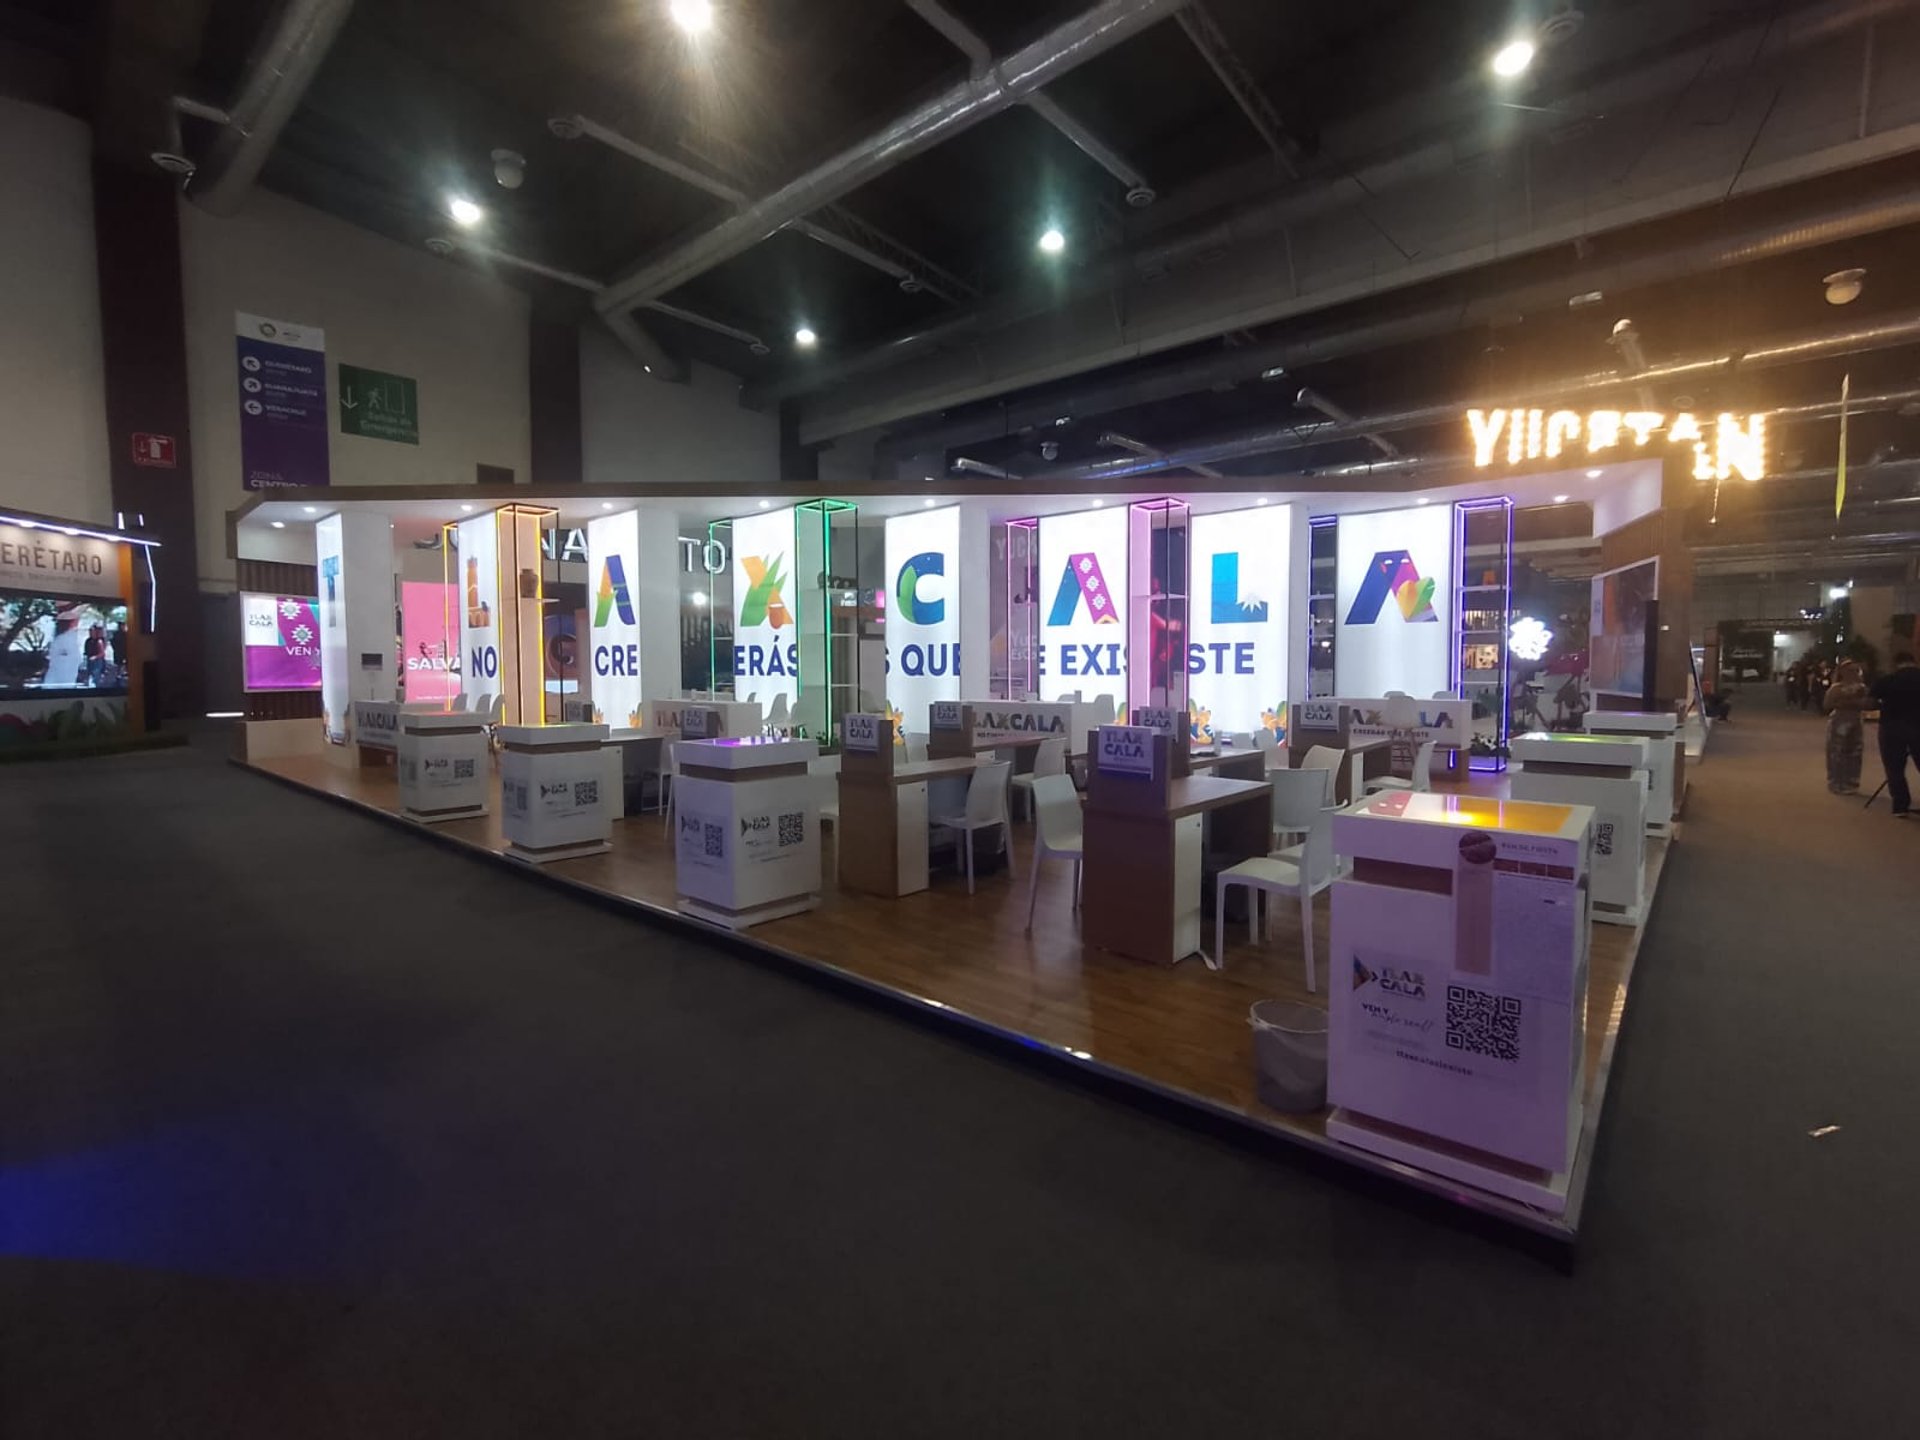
{"x":1483,"y":1024}
{"x":793,"y":829}
{"x":463,"y":769}
{"x":716,"y":840}
{"x":586,"y":792}
{"x":1603,"y":837}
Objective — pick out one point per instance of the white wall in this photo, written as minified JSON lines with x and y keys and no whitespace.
{"x":636,"y":431}
{"x":53,"y":407}
{"x":460,"y":334}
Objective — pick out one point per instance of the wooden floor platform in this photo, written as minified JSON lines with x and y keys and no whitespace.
{"x":1180,"y":1032}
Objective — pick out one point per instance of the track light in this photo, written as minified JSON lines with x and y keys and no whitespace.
{"x":693,"y":16}
{"x":465,"y":212}
{"x":1052,"y":241}
{"x":1512,"y":58}
{"x":805,"y":338}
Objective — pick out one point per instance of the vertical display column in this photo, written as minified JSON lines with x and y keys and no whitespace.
{"x":923,"y":614}
{"x":826,"y":613}
{"x":766,"y":648}
{"x":1082,"y":587}
{"x":354,"y":556}
{"x":613,"y":620}
{"x":1240,"y":622}
{"x":1483,"y":615}
{"x":1394,"y":576}
{"x":522,"y":629}
{"x":1157,"y":565}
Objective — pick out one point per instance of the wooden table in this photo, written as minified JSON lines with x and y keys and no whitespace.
{"x":881,"y":835}
{"x":1142,"y":891}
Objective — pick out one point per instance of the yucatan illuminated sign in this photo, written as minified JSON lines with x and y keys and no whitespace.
{"x":1723,"y":447}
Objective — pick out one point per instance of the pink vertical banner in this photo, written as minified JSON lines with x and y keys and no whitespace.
{"x":428,"y":630}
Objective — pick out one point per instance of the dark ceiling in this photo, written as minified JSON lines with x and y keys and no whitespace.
{"x":414,"y":95}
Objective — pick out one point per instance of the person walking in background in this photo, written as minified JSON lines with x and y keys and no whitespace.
{"x":1898,"y":694}
{"x":1846,"y":730}
{"x":1819,"y":677}
{"x":1797,"y":684}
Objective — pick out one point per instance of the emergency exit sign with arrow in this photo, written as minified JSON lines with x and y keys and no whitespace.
{"x":379,"y":406}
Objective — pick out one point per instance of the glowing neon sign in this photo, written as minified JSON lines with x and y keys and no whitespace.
{"x":1725,"y":447}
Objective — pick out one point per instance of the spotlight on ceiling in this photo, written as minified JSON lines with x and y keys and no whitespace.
{"x":766,"y":504}
{"x":509,"y":168}
{"x":1561,"y":499}
{"x":279,"y":524}
{"x":1593,"y":474}
{"x":1052,"y":241}
{"x":693,"y":16}
{"x":1844,"y":286}
{"x":464,"y":211}
{"x":1512,"y":58}
{"x":311,"y":509}
{"x":805,"y":338}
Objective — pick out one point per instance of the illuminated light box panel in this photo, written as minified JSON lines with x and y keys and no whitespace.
{"x":924,"y":580}
{"x":1082,"y":594}
{"x":1393,"y":617}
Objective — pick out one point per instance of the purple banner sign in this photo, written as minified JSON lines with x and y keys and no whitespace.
{"x":282,"y":376}
{"x":280,"y":636}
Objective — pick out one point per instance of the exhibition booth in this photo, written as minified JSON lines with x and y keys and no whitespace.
{"x":76,"y":632}
{"x":1037,"y":762}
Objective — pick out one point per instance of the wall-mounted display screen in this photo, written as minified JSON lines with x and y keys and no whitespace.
{"x":280,"y":642}
{"x":429,"y":632}
{"x":50,"y":645}
{"x":1617,"y":639}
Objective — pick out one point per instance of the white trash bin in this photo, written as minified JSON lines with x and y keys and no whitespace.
{"x":1289,"y":1055}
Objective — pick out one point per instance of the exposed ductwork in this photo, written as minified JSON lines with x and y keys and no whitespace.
{"x":850,"y":235}
{"x":1118,"y":441}
{"x":980,"y":55}
{"x":1311,"y":399}
{"x":1893,"y":330}
{"x":1871,"y":214}
{"x":1475,"y":186}
{"x":960,"y":108}
{"x":966,"y":466}
{"x":1626,"y":340}
{"x":654,"y":358}
{"x":277,"y":75}
{"x":691,"y":317}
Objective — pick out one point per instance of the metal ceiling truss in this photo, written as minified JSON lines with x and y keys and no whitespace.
{"x":1211,"y":42}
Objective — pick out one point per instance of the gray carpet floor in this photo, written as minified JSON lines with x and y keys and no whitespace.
{"x":309,"y":1128}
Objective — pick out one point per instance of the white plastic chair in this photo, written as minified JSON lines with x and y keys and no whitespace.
{"x":1059,"y":829}
{"x":1298,"y":796}
{"x":777,"y":719}
{"x":916,"y":749}
{"x":483,"y":705}
{"x":1049,"y":758}
{"x":1031,"y":696}
{"x":1103,"y":710}
{"x":986,"y":807}
{"x":1422,"y":780}
{"x":1265,"y":739}
{"x":460,"y":701}
{"x":1302,"y":878}
{"x":1329,"y":760}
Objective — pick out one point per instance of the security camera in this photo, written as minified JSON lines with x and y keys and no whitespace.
{"x":1049,"y":450}
{"x":509,"y":168}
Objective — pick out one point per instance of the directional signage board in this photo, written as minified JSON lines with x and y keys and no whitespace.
{"x":379,"y":406}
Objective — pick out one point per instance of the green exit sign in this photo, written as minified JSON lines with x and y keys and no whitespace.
{"x":379,"y":406}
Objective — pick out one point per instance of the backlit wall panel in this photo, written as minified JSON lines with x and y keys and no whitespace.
{"x":923,"y":613}
{"x":766,"y":649}
{"x":1082,"y":599}
{"x":1240,"y":620}
{"x":1394,"y":595}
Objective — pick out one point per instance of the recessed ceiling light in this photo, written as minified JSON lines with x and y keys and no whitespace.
{"x":311,"y":509}
{"x":279,"y":524}
{"x":1512,"y":58}
{"x":764,"y":504}
{"x":1561,"y":499}
{"x":1098,"y":503}
{"x":1593,"y":474}
{"x":1052,"y":241}
{"x":928,"y":502}
{"x":1274,"y":372}
{"x":1261,"y":501}
{"x":805,"y":338}
{"x":465,"y":212}
{"x":466,"y":509}
{"x":606,"y":504}
{"x":1424,"y":500}
{"x":693,"y":16}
